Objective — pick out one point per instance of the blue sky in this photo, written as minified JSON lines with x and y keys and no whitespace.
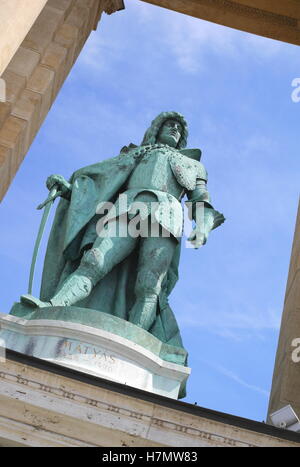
{"x":235,"y":91}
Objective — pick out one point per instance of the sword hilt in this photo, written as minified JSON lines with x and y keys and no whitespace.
{"x":54,"y":192}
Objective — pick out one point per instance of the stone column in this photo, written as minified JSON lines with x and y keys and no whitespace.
{"x":286,"y":378}
{"x":39,"y":68}
{"x":17,"y":18}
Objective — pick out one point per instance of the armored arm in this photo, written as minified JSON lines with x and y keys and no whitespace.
{"x":202,"y":212}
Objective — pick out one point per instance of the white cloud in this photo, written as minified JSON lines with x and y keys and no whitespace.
{"x":266,"y":48}
{"x":99,"y":53}
{"x":192,"y":39}
{"x":150,"y":30}
{"x":237,"y":325}
{"x":231,"y":375}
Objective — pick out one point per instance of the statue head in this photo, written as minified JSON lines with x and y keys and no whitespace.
{"x":170,"y":133}
{"x":167,"y":128}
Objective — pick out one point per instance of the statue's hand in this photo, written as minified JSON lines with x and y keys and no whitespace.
{"x":63,"y":186}
{"x":197,"y":238}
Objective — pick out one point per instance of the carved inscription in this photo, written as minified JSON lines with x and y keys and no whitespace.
{"x":82,"y":352}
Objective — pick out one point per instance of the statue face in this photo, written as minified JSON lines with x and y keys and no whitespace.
{"x":170,"y":133}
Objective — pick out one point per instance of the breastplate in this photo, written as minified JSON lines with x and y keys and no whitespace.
{"x":154,"y":172}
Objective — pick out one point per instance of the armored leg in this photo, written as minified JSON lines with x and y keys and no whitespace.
{"x":154,"y":261}
{"x":96,"y":263}
{"x":106,"y":253}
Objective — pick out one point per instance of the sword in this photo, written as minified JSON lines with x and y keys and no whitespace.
{"x":47,"y":204}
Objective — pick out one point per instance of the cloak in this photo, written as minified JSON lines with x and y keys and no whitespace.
{"x":70,"y":232}
{"x":74,"y":227}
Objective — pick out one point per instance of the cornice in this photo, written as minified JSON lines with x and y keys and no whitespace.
{"x":238,"y":15}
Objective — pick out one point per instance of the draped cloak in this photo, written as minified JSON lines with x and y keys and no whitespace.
{"x":114,"y":294}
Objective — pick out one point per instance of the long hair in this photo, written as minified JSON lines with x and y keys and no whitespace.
{"x":152,"y":132}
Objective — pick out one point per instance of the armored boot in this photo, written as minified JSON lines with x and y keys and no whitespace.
{"x":143,"y":312}
{"x":75,"y":288}
{"x":34,"y":302}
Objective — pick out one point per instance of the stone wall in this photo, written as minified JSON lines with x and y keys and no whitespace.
{"x":42,"y":404}
{"x":37,"y":71}
{"x":17,"y":17}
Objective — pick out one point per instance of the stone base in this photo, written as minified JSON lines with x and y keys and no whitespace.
{"x":110,"y":347}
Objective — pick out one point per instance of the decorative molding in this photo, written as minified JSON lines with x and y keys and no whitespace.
{"x":250,"y":12}
{"x":155,"y":422}
{"x":20,"y":432}
{"x":111,"y":6}
{"x":232,"y":7}
{"x":238,"y":15}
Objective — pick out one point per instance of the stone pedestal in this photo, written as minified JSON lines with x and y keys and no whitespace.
{"x":108,"y":347}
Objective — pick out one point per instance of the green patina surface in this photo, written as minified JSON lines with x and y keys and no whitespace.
{"x":122,"y":284}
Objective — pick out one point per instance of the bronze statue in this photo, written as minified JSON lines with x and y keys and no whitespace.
{"x":129,"y":276}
